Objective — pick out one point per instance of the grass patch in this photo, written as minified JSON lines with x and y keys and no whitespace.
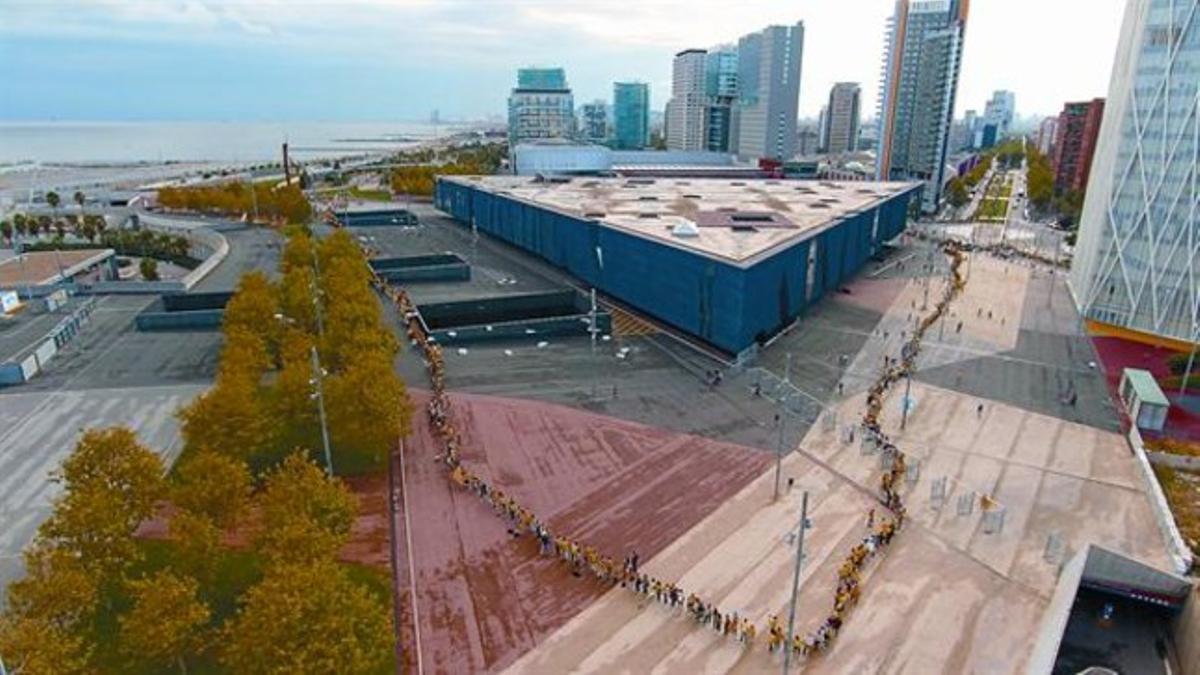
{"x":1182,"y":489}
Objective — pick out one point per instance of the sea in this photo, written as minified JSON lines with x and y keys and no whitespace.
{"x":94,"y":143}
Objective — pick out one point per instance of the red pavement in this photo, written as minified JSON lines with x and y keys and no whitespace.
{"x":484,"y":598}
{"x":1117,"y":353}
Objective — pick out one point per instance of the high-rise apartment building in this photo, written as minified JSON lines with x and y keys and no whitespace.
{"x":1077,"y":128}
{"x":841,"y":118}
{"x":1045,"y":135}
{"x":768,"y":92}
{"x":541,"y":106}
{"x":721,"y":89}
{"x":686,"y":129}
{"x":593,"y":122}
{"x":1137,"y":259}
{"x":631,"y":115}
{"x":922,"y":61}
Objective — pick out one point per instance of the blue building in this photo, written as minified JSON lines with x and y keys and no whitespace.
{"x":631,"y":115}
{"x":729,"y":262}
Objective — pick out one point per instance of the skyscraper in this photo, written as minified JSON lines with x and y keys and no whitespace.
{"x":541,"y":106}
{"x":923,"y":56}
{"x":631,"y":115}
{"x":593,"y":122}
{"x":1074,"y":143}
{"x":686,"y":110}
{"x":1000,"y":111}
{"x":768,"y":92}
{"x":720,"y":88}
{"x":1137,"y":259}
{"x":1046,"y":133}
{"x":841,"y":122}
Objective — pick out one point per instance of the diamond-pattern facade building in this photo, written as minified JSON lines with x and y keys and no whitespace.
{"x":1137,"y":260}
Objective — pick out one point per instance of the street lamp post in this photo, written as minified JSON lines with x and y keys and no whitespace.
{"x":318,"y":381}
{"x":787,"y":646}
{"x":780,"y":422}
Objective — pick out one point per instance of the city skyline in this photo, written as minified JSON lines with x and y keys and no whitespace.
{"x":87,"y":60}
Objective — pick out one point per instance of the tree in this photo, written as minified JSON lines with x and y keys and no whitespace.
{"x":31,"y":646}
{"x":149,"y":269}
{"x":252,"y":309}
{"x":230,"y":418}
{"x":57,"y":589}
{"x":214,"y":486}
{"x":197,"y":545}
{"x":79,"y":199}
{"x":308,"y":618}
{"x":301,"y":503}
{"x":19,"y":222}
{"x":111,"y":484}
{"x":163,"y":626}
{"x":6,"y":230}
{"x":956,"y":192}
{"x":53,"y":200}
{"x":368,"y":406}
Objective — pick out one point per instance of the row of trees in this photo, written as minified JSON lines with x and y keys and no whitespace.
{"x":271,"y":203}
{"x":261,"y":406}
{"x":21,"y":225}
{"x":96,"y":598}
{"x":418,"y":179}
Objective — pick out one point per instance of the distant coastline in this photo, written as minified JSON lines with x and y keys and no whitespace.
{"x":73,"y":143}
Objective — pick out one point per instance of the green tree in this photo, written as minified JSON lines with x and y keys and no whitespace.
{"x":956,"y":192}
{"x":6,"y":230}
{"x":164,"y":625}
{"x":149,"y":269}
{"x":308,"y":618}
{"x":79,"y":199}
{"x":53,"y":200}
{"x":19,"y":221}
{"x":111,"y":483}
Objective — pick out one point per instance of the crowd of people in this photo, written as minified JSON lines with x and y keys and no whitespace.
{"x":583,"y":558}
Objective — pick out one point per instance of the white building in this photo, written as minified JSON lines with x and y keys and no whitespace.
{"x":1137,"y":260}
{"x":686,"y":122}
{"x":1000,"y":111}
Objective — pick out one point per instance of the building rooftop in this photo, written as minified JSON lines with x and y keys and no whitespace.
{"x":737,"y":221}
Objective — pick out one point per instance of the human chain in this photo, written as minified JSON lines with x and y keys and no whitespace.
{"x":581,"y":557}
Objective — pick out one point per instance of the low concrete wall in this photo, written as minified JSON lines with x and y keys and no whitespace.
{"x":1187,"y":635}
{"x":211,"y":246}
{"x":1057,"y":615}
{"x":204,"y":319}
{"x":1185,"y":462}
{"x":1181,"y":555}
{"x":133,"y":287}
{"x":407,"y":275}
{"x":32,"y":361}
{"x":532,"y":329}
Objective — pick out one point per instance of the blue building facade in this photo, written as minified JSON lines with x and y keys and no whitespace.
{"x":631,"y":115}
{"x":728,"y":305}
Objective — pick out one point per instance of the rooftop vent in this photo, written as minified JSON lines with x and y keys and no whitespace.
{"x":738,"y":183}
{"x":751,"y":218}
{"x":726,"y":209}
{"x":743,"y":228}
{"x":633,"y":182}
{"x":648,"y":216}
{"x":685,"y":229}
{"x":647,"y":198}
{"x":818,"y":205}
{"x":692,"y":197}
{"x":594,"y":214}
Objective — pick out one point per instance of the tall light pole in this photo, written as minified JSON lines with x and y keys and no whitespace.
{"x":787,"y":646}
{"x":780,"y":422}
{"x":318,"y":372}
{"x":1187,"y":372}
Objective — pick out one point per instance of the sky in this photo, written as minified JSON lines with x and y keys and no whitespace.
{"x":401,"y":59}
